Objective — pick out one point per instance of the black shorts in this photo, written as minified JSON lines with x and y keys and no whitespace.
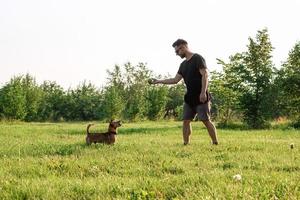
{"x":202,"y":111}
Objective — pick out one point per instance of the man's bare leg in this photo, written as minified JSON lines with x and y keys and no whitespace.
{"x":211,"y":131}
{"x":186,"y":131}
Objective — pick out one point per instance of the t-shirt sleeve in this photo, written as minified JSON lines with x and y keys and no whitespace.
{"x":200,"y":61}
{"x":180,"y":70}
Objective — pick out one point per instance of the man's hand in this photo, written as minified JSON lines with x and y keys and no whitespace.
{"x":152,"y":81}
{"x":203,"y":97}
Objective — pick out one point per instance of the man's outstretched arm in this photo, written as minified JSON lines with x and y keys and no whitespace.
{"x":174,"y":80}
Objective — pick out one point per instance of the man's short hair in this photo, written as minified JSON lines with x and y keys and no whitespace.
{"x":179,"y":42}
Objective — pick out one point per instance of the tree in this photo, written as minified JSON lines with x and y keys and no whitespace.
{"x":112,"y":104}
{"x":135,"y":91}
{"x":156,"y":101}
{"x":257,"y":101}
{"x":87,"y":100}
{"x":288,"y":80}
{"x":113,"y":101}
{"x":174,"y":101}
{"x":225,"y":98}
{"x":52,"y":106}
{"x":13,"y":99}
{"x":250,"y":74}
{"x":33,"y":95}
{"x":117,"y":80}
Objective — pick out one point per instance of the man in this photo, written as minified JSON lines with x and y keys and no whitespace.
{"x":197,"y":99}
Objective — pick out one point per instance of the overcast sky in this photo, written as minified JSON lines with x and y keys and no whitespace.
{"x":69,"y":41}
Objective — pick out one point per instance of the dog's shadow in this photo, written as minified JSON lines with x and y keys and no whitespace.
{"x":146,"y":130}
{"x":75,"y":148}
{"x":68,"y":149}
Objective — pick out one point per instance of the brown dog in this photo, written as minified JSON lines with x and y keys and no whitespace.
{"x":108,"y":138}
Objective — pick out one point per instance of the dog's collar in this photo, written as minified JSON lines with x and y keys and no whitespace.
{"x":113,"y":132}
{"x":112,"y":126}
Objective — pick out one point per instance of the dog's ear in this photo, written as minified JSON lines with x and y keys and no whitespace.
{"x":111,"y":121}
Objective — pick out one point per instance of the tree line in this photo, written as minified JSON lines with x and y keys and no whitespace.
{"x":249,"y":88}
{"x":127,"y":95}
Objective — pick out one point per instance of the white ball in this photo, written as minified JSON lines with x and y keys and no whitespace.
{"x":237,"y":177}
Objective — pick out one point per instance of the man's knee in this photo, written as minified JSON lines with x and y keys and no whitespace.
{"x":186,"y":122}
{"x":206,"y":122}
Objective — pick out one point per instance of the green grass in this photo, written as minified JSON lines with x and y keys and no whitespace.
{"x":51,"y":161}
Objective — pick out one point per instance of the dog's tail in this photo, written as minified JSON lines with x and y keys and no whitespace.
{"x":87,"y":129}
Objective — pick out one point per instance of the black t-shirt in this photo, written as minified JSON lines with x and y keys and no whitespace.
{"x":189,"y":70}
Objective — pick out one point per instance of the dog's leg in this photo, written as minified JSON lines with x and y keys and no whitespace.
{"x":88,"y":142}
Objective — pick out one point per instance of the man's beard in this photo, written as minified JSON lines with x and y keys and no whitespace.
{"x":182,"y":56}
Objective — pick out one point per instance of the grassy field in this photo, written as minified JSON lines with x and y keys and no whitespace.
{"x":51,"y":161}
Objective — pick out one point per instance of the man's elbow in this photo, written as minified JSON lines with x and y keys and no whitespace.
{"x":175,"y":81}
{"x":204,"y":72}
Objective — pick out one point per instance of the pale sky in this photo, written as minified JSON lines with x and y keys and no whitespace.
{"x":69,"y":41}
